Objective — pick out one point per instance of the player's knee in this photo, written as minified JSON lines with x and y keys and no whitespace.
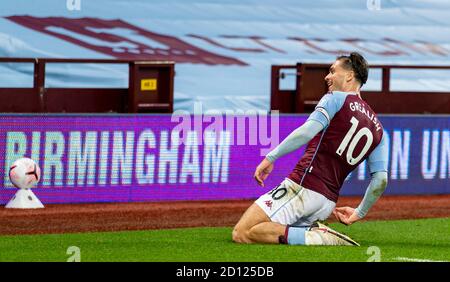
{"x":240,"y":235}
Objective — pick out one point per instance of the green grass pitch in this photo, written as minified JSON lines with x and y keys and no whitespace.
{"x":425,"y":239}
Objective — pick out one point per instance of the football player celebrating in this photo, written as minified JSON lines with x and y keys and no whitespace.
{"x":341,"y":133}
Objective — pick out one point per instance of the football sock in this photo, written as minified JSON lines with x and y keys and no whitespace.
{"x":295,"y":235}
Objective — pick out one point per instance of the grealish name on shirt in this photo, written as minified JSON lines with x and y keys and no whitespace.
{"x":355,"y":106}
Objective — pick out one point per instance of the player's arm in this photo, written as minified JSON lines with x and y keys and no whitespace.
{"x":378,"y":170}
{"x":295,"y":140}
{"x":316,"y":122}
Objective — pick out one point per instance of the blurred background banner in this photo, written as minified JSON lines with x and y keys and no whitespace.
{"x":224,"y":48}
{"x":129,"y":158}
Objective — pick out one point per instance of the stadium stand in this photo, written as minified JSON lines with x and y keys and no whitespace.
{"x":224,"y":55}
{"x":309,"y":87}
{"x":149,"y":89}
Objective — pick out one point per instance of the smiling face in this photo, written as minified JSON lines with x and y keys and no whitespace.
{"x":339,"y":78}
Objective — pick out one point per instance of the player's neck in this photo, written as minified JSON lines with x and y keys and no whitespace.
{"x":352,"y":89}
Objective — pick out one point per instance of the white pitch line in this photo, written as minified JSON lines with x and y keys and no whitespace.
{"x":417,"y":260}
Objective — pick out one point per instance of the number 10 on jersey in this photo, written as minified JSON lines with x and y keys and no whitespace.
{"x":354,"y":139}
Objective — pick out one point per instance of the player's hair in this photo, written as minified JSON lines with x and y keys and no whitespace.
{"x":357,"y":64}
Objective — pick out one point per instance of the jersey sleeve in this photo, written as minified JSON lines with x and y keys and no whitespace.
{"x":378,"y":159}
{"x":295,"y":140}
{"x":327,"y":107}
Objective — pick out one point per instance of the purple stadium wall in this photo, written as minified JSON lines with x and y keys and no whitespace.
{"x":126,"y":158}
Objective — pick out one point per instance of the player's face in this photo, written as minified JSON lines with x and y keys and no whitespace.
{"x":337,"y":78}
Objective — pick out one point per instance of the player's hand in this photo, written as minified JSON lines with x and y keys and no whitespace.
{"x":262,"y":171}
{"x":346,"y":215}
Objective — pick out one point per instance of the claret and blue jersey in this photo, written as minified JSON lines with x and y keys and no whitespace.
{"x":352,"y":133}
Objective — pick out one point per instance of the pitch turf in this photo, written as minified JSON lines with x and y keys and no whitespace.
{"x":426,"y":239}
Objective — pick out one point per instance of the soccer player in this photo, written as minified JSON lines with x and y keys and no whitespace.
{"x":341,"y":133}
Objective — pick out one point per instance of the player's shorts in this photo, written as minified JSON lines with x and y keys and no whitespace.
{"x":291,"y":204}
